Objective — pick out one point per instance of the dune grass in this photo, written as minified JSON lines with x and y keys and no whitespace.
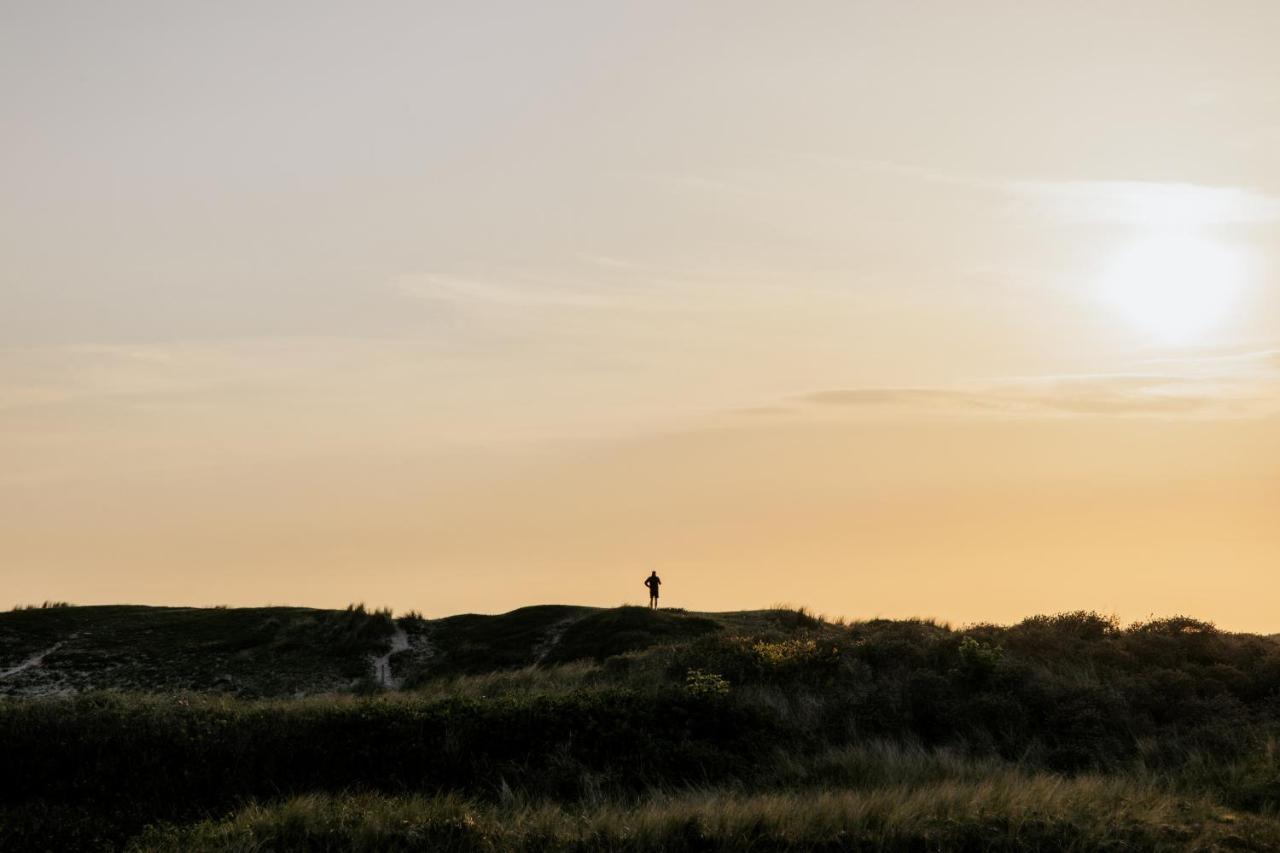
{"x":1007,"y":811}
{"x":250,"y":651}
{"x":763,"y":730}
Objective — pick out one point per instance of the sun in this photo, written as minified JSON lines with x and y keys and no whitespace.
{"x":1176,"y":287}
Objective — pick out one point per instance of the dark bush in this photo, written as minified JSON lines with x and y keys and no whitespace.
{"x":140,"y":760}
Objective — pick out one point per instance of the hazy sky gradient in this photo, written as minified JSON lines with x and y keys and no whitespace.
{"x":468,"y":306}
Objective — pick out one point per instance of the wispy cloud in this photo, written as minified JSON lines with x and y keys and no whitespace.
{"x":507,"y":290}
{"x":602,"y":283}
{"x":1227,"y":385}
{"x":55,"y":375}
{"x":1247,"y":363}
{"x":1140,"y":203}
{"x":34,"y":376}
{"x":1148,"y":204}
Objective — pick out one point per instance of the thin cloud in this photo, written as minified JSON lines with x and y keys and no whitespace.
{"x":603,"y":284}
{"x":1211,"y":386}
{"x":1140,"y":203}
{"x":1258,"y":363}
{"x":1149,"y":204}
{"x":434,"y":287}
{"x":1090,"y":399}
{"x":763,"y":411}
{"x":871,"y":397}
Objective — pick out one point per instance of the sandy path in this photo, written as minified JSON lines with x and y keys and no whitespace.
{"x":382,"y":664}
{"x":34,"y":660}
{"x":552,"y":638}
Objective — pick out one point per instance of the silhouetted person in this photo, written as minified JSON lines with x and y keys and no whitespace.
{"x":653,"y":582}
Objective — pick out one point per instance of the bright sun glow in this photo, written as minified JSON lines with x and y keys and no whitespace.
{"x":1175,"y":286}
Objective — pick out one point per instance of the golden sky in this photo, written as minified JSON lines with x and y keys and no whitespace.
{"x":962,"y":310}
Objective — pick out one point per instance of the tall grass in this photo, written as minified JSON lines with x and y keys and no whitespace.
{"x":1007,"y":811}
{"x":354,"y":627}
{"x":529,"y":681}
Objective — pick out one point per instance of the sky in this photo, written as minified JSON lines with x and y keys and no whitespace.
{"x":963,"y":311}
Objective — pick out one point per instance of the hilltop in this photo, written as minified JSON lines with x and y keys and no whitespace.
{"x":297,"y":651}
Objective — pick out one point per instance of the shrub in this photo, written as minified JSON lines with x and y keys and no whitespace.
{"x":978,"y":661}
{"x":1080,"y":624}
{"x":140,"y":760}
{"x":705,"y":684}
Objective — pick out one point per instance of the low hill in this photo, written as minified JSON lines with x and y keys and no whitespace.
{"x":256,"y":651}
{"x":574,"y":728}
{"x":295,"y":651}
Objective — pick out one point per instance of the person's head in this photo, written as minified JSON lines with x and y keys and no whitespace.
{"x":653,"y":574}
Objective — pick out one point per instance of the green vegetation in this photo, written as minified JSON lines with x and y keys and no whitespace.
{"x":634,"y":730}
{"x":606,"y":633}
{"x":473,"y":644}
{"x":257,"y":651}
{"x":1006,"y":812}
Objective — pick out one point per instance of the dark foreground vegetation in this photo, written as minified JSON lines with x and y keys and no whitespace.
{"x":249,"y":651}
{"x":636,"y":731}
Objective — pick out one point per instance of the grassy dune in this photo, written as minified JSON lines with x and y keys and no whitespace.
{"x":630,"y":730}
{"x":251,"y":651}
